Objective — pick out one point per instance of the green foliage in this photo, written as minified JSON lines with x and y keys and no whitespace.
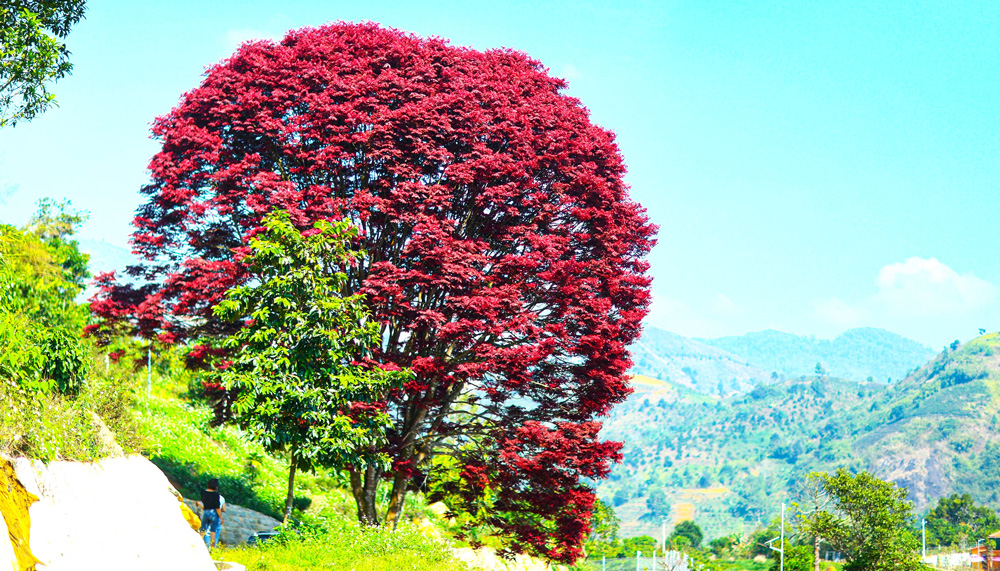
{"x":32,"y":54}
{"x":41,"y":273}
{"x":760,"y":538}
{"x":689,"y":530}
{"x":604,"y":523}
{"x":723,"y":545}
{"x":49,"y":411}
{"x":797,"y":558}
{"x":295,"y":362}
{"x":51,"y":426}
{"x":869,"y":521}
{"x":956,"y":520}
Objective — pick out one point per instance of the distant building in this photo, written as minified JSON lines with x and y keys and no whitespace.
{"x":986,"y":556}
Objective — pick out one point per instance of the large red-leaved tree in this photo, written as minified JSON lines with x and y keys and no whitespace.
{"x":505,"y":259}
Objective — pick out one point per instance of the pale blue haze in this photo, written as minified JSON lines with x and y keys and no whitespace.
{"x":789,"y":151}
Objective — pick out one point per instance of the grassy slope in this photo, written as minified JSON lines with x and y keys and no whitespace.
{"x":930,"y":432}
{"x":179,"y":439}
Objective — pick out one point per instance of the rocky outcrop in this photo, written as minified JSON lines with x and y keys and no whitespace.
{"x":118,"y":513}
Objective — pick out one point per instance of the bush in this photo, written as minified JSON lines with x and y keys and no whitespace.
{"x":797,"y":558}
{"x":58,"y":427}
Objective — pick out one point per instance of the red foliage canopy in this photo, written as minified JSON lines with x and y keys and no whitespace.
{"x":506,"y":260}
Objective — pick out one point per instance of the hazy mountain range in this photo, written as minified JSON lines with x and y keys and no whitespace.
{"x":730,"y":365}
{"x":729,"y":462}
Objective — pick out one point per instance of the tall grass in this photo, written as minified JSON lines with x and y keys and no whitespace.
{"x":337,"y":542}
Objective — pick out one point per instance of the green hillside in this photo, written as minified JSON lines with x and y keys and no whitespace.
{"x":730,"y":462}
{"x":855,"y":354}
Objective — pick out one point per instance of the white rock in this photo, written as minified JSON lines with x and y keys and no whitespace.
{"x":114,"y":514}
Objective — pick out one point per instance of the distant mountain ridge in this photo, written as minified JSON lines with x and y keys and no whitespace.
{"x":732,"y":365}
{"x":855,"y":354}
{"x":730,"y":462}
{"x":693,"y":364}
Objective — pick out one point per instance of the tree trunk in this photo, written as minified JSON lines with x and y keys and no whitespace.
{"x":290,"y":498}
{"x":396,"y":499}
{"x":364,"y":487}
{"x":816,"y":553}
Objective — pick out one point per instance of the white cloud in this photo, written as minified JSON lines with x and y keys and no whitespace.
{"x":840,"y":313}
{"x":236,"y":38}
{"x":921,"y":287}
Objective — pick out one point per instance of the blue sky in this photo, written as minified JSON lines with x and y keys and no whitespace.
{"x":813,"y":166}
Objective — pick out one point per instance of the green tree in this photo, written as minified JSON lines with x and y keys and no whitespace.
{"x":604,"y":525}
{"x":643,"y":543}
{"x":956,"y":519}
{"x":722,"y":545}
{"x":40,"y":322}
{"x":32,"y":54}
{"x":868,"y":520}
{"x":689,"y":530}
{"x":295,"y":363}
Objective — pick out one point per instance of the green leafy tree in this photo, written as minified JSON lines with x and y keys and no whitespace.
{"x":40,"y":322}
{"x":813,"y":518}
{"x":956,"y":518}
{"x":296,"y":362}
{"x":725,"y":544}
{"x":868,"y":520}
{"x":604,"y":526}
{"x":689,"y":530}
{"x":32,"y":54}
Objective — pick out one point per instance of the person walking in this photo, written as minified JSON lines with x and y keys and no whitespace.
{"x":211,"y":516}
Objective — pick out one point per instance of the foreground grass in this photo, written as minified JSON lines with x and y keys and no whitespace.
{"x":338,"y":543}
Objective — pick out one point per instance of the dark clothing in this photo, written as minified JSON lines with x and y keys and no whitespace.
{"x":210,"y":500}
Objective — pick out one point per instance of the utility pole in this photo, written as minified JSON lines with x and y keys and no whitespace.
{"x":638,"y":554}
{"x":923,"y":537}
{"x":780,"y":550}
{"x":604,"y":563}
{"x":664,"y":535}
{"x":782,"y":536}
{"x":149,"y":368}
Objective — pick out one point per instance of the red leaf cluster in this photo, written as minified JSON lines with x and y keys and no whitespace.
{"x":505,"y":258}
